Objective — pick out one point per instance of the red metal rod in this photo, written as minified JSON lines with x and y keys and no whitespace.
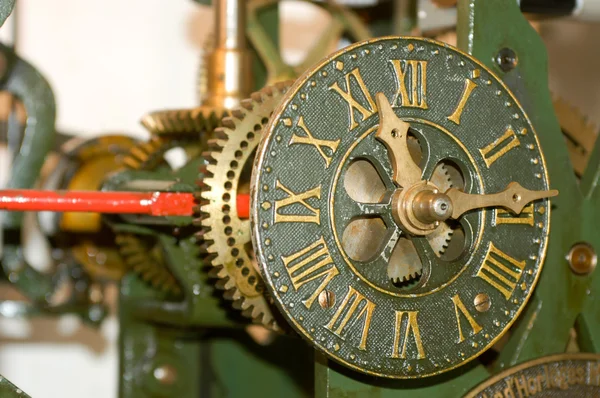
{"x":151,"y":203}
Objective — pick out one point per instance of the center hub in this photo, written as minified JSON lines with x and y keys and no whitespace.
{"x":420,"y":208}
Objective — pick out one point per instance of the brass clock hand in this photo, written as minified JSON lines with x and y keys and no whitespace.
{"x":514,"y":198}
{"x":429,"y":206}
{"x":393,"y":132}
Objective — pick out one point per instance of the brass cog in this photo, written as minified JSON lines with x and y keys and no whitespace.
{"x":226,"y":237}
{"x":183,"y":121}
{"x":580,"y":134}
{"x":169,"y":129}
{"x":405,"y":265}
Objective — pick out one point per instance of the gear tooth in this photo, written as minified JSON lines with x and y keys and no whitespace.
{"x":233,"y":294}
{"x":248,"y":104}
{"x":256,"y":97}
{"x":220,"y":134}
{"x":283,"y":87}
{"x":248,"y":309}
{"x":252,"y":302}
{"x":228,"y":122}
{"x":268,"y":90}
{"x":211,"y":169}
{"x":222,"y":283}
{"x":215,"y":272}
{"x":203,"y":234}
{"x":238,"y":113}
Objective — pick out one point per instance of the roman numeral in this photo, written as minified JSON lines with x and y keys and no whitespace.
{"x":294,"y":198}
{"x":311,"y":263}
{"x":365,"y":110}
{"x":411,"y":326}
{"x":501,"y":146}
{"x":502,"y":216}
{"x":413,"y":73}
{"x":469,"y":87}
{"x":460,"y":307}
{"x":320,"y":145}
{"x":501,"y":271}
{"x":349,"y":313}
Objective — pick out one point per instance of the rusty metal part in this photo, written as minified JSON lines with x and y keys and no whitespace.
{"x":579,"y":132}
{"x":225,"y":236}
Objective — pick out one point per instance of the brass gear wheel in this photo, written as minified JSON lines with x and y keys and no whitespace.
{"x":169,"y":129}
{"x":580,"y":134}
{"x":226,"y":237}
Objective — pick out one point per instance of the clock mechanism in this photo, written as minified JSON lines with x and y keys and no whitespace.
{"x":396,"y":216}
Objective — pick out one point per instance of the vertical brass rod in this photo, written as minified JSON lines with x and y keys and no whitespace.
{"x":229,"y":75}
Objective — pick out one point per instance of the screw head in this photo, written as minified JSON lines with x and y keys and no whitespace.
{"x":165,"y":374}
{"x":507,"y":59}
{"x":326,"y":299}
{"x":582,"y":258}
{"x":482,"y":302}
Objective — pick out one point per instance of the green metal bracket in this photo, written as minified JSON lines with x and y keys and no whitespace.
{"x":560,"y":294}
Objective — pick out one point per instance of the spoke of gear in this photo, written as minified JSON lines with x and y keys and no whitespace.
{"x":169,"y":129}
{"x":226,"y":237}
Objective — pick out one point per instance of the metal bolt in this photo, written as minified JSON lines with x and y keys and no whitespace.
{"x":482,"y":302}
{"x":326,"y":299}
{"x":507,"y":59}
{"x":165,"y":374}
{"x":582,"y":258}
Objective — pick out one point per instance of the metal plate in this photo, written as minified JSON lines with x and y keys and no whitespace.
{"x":350,"y":309}
{"x":564,"y":375}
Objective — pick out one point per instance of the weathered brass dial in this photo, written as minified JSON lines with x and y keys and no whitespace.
{"x":562,"y":375}
{"x":341,"y":297}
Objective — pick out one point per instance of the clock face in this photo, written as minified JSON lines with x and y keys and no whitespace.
{"x":348,"y":275}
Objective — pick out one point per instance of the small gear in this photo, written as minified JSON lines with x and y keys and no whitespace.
{"x":580,"y":134}
{"x":183,"y":121}
{"x":169,"y":129}
{"x":440,"y":238}
{"x":405,"y":265}
{"x":226,"y":237}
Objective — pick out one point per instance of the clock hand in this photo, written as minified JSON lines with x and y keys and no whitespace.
{"x":514,"y":198}
{"x":429,"y":206}
{"x":393,"y":132}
